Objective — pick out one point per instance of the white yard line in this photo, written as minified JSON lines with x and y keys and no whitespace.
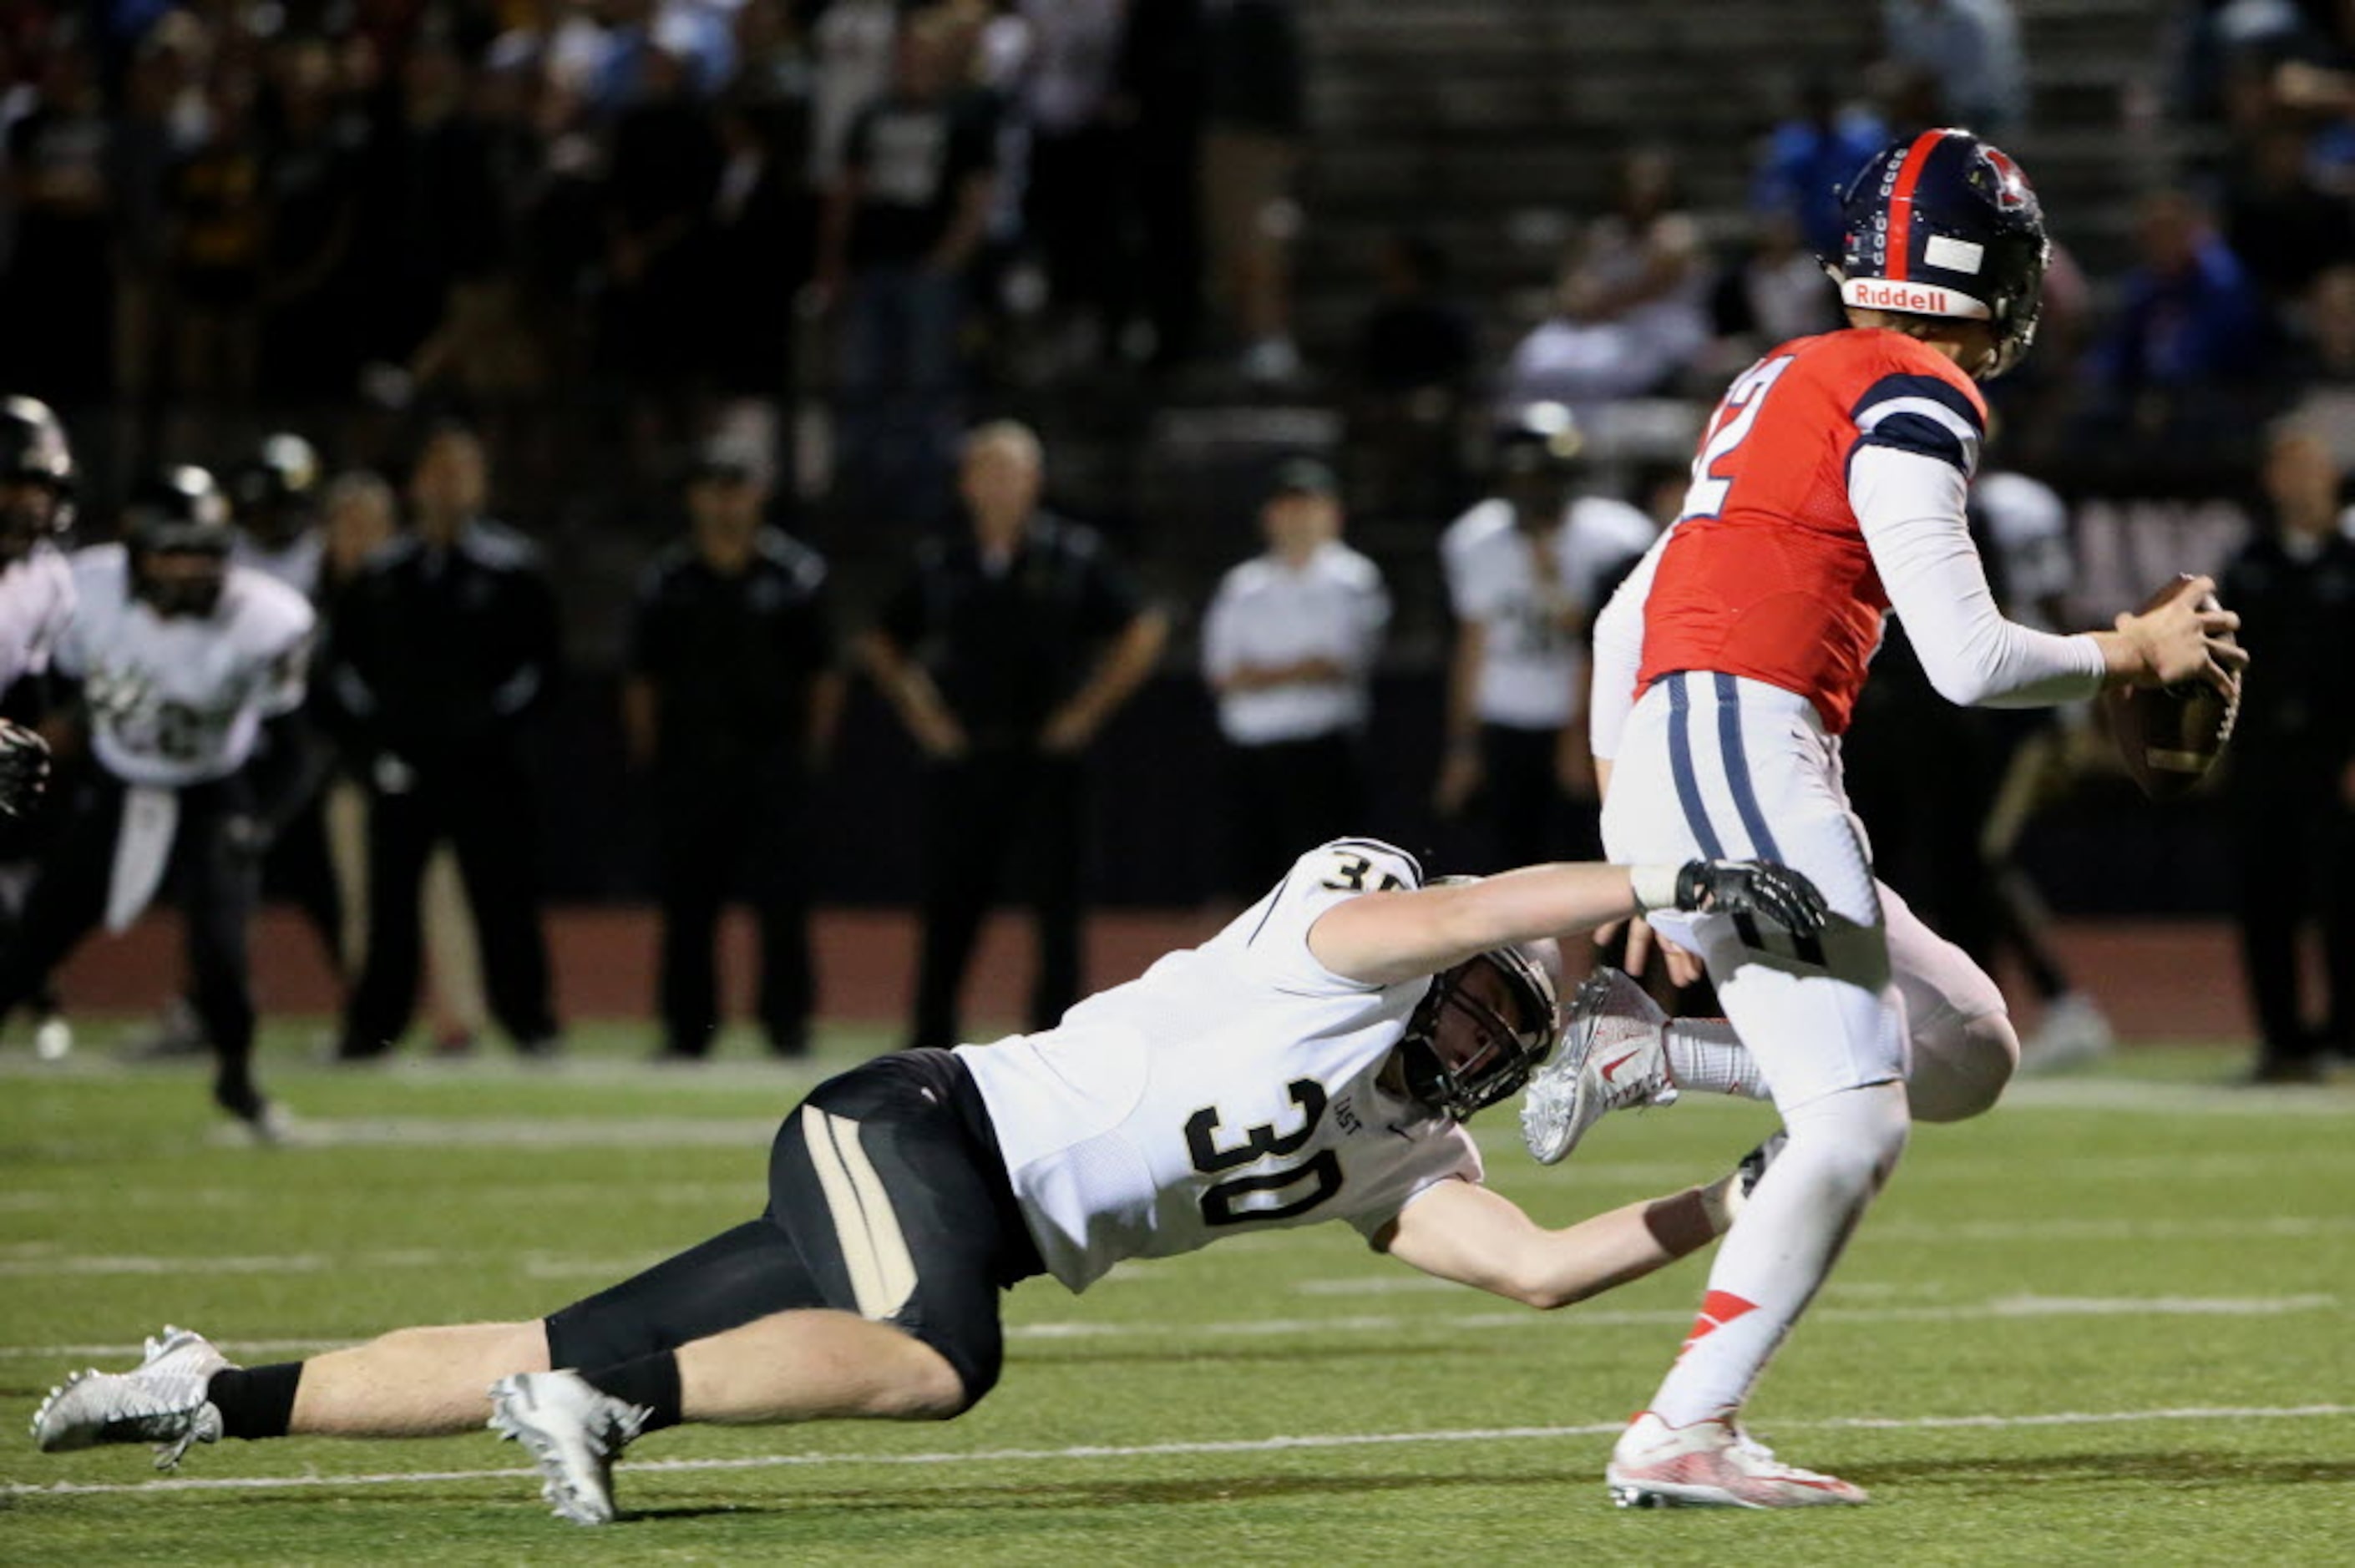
{"x":1303,"y":1442}
{"x":2009,"y":1308}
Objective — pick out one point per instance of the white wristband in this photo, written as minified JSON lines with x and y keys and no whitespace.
{"x":1655,"y":886}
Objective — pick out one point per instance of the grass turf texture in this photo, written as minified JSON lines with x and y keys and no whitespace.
{"x":2136,"y":1241}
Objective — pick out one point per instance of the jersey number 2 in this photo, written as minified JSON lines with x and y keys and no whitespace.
{"x":1728,"y":431}
{"x":1222,"y":1203}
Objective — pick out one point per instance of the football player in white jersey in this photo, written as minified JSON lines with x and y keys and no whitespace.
{"x":182,"y":661}
{"x":36,"y":590}
{"x":1313,"y":1060}
{"x":36,"y":600}
{"x":1526,"y":570}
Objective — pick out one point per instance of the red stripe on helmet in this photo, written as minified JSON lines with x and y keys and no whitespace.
{"x":1900,"y":203}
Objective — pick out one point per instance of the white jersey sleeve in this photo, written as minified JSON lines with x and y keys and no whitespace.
{"x":1277,"y":946}
{"x":1618,"y":640}
{"x":36,"y":602}
{"x":1910,"y":509}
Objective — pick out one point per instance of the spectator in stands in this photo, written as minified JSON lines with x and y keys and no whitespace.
{"x":1809,"y":159}
{"x":757,"y":249}
{"x":428,"y":213}
{"x":2292,"y":779}
{"x":1288,"y":650}
{"x":1251,"y":149}
{"x":1416,"y":340}
{"x":1005,"y":653}
{"x":2325,"y":364}
{"x":659,"y":190}
{"x":2284,"y":228}
{"x":307,"y":334}
{"x":857,"y":42}
{"x":2187,"y":319}
{"x":1775,"y":292}
{"x":1970,"y":50}
{"x":1162,"y":100}
{"x":1526,"y":571}
{"x":902,"y":224}
{"x":728,"y":707}
{"x":1416,"y":350}
{"x":1072,"y":203}
{"x":444,"y":648}
{"x":57,"y":305}
{"x":1631,"y":311}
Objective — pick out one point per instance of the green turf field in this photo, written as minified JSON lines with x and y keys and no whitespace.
{"x":2107,"y":1324}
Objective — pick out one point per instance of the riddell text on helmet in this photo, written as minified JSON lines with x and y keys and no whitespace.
{"x":1919,"y":299}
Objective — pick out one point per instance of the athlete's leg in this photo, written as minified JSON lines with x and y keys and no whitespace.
{"x":1963,"y":1046}
{"x":412,"y":1382}
{"x":1719,"y":767}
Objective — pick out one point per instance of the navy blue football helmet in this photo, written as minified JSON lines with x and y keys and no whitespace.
{"x":1946,"y":224}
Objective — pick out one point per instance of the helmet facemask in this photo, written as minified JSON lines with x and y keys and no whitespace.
{"x":1480,"y":1030}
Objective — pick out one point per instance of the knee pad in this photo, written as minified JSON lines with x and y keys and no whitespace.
{"x":1961,"y":1065}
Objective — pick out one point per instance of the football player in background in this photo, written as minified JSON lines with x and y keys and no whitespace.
{"x":1526,"y":570}
{"x":1829,"y":490}
{"x":183,"y":661}
{"x":274,"y":495}
{"x":1313,"y":1060}
{"x":36,"y":601}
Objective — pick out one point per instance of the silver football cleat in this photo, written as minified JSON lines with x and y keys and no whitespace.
{"x":573,"y":1434}
{"x":162,"y":1401}
{"x":1614,"y":1055}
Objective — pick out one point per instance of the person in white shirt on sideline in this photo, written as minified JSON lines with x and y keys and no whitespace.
{"x":1526,"y":570}
{"x":1288,"y":648}
{"x":1313,"y":1060}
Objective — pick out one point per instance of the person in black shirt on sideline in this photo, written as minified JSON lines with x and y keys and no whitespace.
{"x":1004,"y":651}
{"x":442,"y":648}
{"x":2291,"y":787}
{"x":730,"y":705}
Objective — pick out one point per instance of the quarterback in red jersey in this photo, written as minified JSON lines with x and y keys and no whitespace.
{"x":1828,"y":492}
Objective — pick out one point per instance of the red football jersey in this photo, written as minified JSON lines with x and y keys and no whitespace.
{"x":1767,"y":575}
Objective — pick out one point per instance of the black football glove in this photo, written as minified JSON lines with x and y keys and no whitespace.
{"x":1752,"y":888}
{"x":23,"y":769}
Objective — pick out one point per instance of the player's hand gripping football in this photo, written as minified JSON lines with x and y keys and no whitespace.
{"x":1752,"y":888}
{"x":2185,"y":636}
{"x":23,"y":769}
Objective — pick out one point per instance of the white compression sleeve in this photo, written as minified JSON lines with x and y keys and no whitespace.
{"x":1619,"y":654}
{"x":1910,"y":508}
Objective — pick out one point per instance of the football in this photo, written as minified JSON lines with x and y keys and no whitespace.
{"x":2171,"y":737}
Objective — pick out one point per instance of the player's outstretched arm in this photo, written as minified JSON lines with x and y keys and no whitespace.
{"x":1475,"y":1236}
{"x":1381,"y":938}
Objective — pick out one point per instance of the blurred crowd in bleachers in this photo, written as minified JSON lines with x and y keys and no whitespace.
{"x":601,"y":228}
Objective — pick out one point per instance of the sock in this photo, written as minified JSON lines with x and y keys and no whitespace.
{"x":1705,"y":1053}
{"x":651,"y":1382}
{"x":1782,"y":1244}
{"x":255,"y":1402}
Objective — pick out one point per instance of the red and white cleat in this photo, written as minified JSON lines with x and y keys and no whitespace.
{"x":1710,"y":1464}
